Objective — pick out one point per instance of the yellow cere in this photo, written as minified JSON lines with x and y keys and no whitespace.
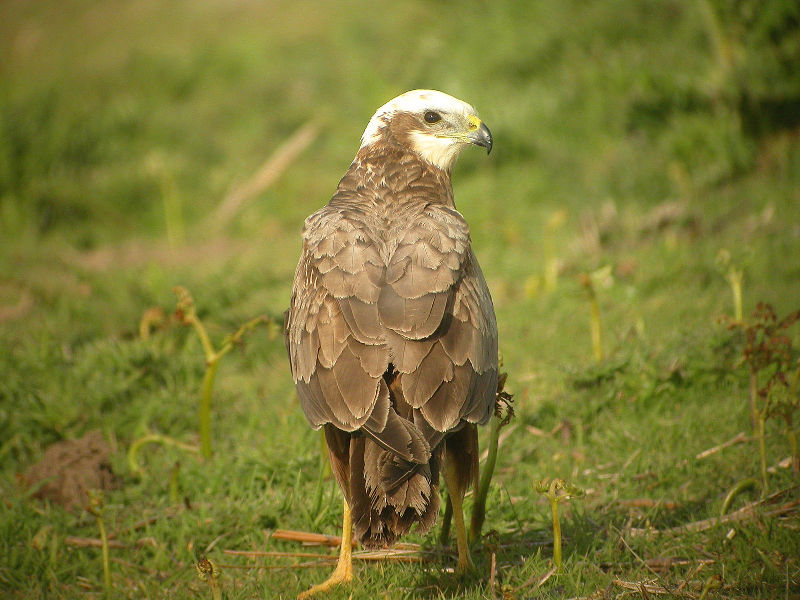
{"x":474,"y":122}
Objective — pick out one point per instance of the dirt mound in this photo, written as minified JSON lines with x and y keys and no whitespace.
{"x":71,"y":468}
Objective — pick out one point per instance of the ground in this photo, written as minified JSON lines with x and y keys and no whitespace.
{"x":626,"y":168}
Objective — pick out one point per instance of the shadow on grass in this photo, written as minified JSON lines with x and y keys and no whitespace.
{"x":438,"y":578}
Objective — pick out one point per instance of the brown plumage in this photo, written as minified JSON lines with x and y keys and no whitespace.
{"x":391,"y":331}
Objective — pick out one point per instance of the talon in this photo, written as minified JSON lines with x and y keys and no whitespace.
{"x":343,"y":573}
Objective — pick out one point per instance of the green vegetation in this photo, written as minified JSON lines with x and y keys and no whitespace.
{"x":557,"y":491}
{"x":653,"y":145}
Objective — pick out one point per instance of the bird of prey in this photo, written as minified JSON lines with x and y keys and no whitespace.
{"x":391,"y":331}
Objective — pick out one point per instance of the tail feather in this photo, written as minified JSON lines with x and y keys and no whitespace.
{"x":389,"y":470}
{"x":389,"y":494}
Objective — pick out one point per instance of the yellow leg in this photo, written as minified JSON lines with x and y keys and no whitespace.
{"x":456,"y":494}
{"x":344,"y":567}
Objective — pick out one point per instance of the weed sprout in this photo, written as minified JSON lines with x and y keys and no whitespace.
{"x":557,"y":491}
{"x":188,"y":315}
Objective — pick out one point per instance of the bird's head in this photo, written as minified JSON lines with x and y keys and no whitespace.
{"x":432,"y":124}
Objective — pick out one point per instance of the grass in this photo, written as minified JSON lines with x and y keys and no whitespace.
{"x":618,"y":151}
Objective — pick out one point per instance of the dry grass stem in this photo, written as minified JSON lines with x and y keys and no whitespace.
{"x":536,"y":431}
{"x":395,"y":554}
{"x":645,"y":587}
{"x":83,"y":542}
{"x":324,"y":562}
{"x":665,"y":564}
{"x":273,"y":167}
{"x":648,"y":503}
{"x":693,"y":573}
{"x":544,"y":578}
{"x":273,"y":554}
{"x":748,"y":511}
{"x":307,"y":538}
{"x":739,"y":438}
{"x":637,"y":557}
{"x":492,"y":574}
{"x":320,"y":539}
{"x":506,"y":433}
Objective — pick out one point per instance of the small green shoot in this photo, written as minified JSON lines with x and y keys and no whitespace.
{"x":589,"y":282}
{"x":96,"y":505}
{"x":188,"y":316}
{"x":734,"y":276}
{"x":557,"y":491}
{"x":503,"y":413}
{"x":154,"y":438}
{"x":712,"y":583}
{"x":744,"y":484}
{"x":551,"y":262}
{"x":209,"y":572}
{"x":171,"y":200}
{"x":794,"y":393}
{"x":762,"y":448}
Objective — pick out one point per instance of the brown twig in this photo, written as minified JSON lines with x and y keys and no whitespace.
{"x":395,"y":554}
{"x":739,"y":438}
{"x":323,"y":562}
{"x":82,"y":542}
{"x":261,"y":554}
{"x":693,"y":573}
{"x":665,"y":564}
{"x":320,"y":539}
{"x":536,"y":431}
{"x":543,"y":579}
{"x":662,"y":565}
{"x":746,"y":512}
{"x":539,"y":580}
{"x":305,"y":537}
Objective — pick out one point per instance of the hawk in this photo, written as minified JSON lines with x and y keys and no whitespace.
{"x":391,"y":331}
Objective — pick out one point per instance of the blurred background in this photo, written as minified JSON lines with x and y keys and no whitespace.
{"x":652,"y":146}
{"x":126,"y":126}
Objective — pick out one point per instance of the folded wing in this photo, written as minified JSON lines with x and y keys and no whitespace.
{"x":409,"y":311}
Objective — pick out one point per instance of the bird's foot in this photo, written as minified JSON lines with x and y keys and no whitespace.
{"x":342,"y":574}
{"x":465,"y":564}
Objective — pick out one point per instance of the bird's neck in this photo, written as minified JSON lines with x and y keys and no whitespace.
{"x":395,"y":173}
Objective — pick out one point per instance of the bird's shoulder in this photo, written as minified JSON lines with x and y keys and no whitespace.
{"x":388,"y":205}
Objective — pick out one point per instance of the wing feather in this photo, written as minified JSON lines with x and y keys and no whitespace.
{"x":434,"y":370}
{"x":445,"y":408}
{"x":401,"y":288}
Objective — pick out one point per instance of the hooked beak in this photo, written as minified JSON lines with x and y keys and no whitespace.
{"x":481,"y":137}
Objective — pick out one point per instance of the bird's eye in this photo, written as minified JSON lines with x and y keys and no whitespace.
{"x":432,"y":117}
